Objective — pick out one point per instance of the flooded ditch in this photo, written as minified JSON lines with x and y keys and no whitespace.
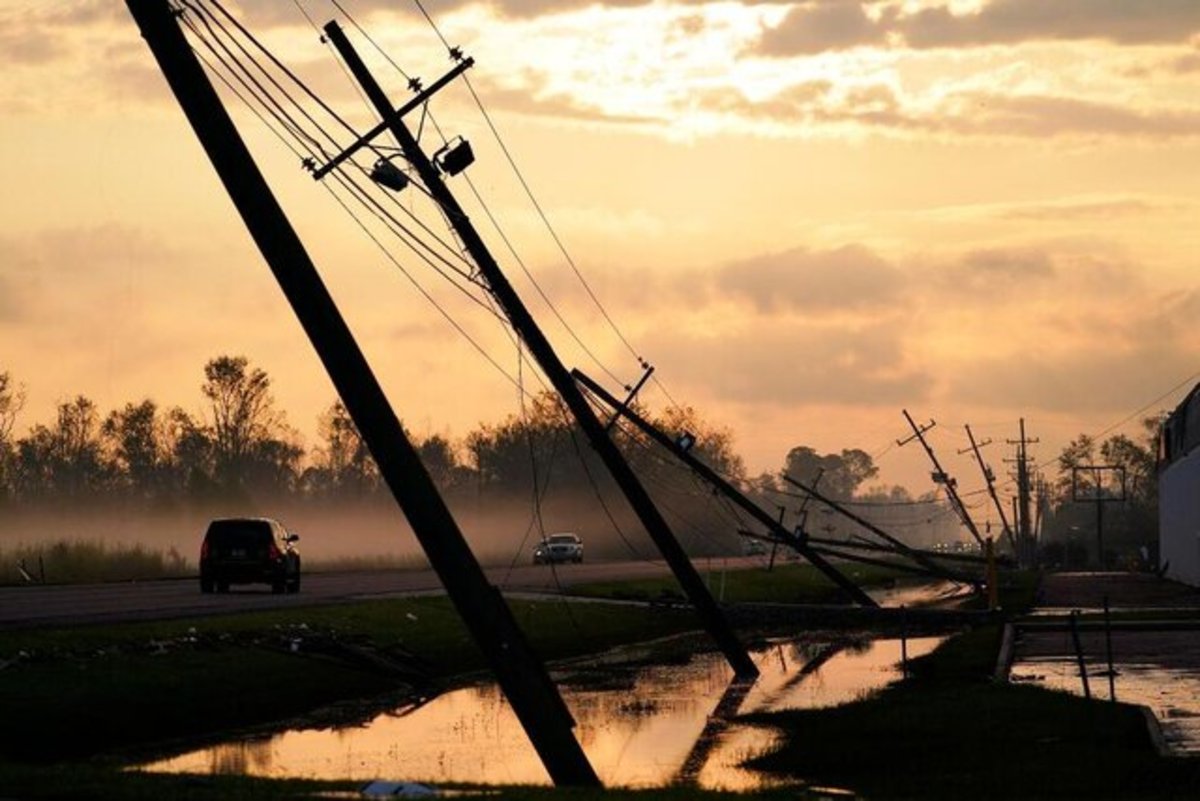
{"x":641,"y":725}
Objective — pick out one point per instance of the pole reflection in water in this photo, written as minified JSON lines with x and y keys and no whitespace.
{"x":640,"y":727}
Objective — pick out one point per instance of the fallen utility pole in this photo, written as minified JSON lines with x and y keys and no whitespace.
{"x":543,"y":353}
{"x":520,"y":673}
{"x":940,"y":476}
{"x":731,"y":492}
{"x":916,"y":556}
{"x":990,"y":478}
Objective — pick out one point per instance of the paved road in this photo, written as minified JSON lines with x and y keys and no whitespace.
{"x":176,"y":598}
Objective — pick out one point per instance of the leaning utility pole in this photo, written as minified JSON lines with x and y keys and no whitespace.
{"x":520,"y":673}
{"x":940,"y":476}
{"x":727,"y":489}
{"x":990,"y":478}
{"x":533,"y":338}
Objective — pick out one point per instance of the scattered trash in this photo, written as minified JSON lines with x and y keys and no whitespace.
{"x":382,"y":789}
{"x":411,"y":616}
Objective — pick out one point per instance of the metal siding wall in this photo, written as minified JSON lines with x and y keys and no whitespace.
{"x":1179,"y":519}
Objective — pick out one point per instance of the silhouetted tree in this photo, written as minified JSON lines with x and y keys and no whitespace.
{"x":251,"y":443}
{"x":343,"y":465}
{"x":66,"y":460}
{"x":12,"y":400}
{"x":190,"y":454}
{"x":135,"y":438}
{"x":842,"y":474}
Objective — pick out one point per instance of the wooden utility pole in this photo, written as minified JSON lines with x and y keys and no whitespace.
{"x":1028,"y":555}
{"x":990,"y":478}
{"x":533,"y":338}
{"x":520,"y":673}
{"x":727,"y":489}
{"x":940,"y":476}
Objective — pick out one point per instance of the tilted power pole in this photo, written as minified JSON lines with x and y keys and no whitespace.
{"x":542,"y":351}
{"x":728,"y":490}
{"x":940,"y":476}
{"x":520,"y":673}
{"x":990,"y":478}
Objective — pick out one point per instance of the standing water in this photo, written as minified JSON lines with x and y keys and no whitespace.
{"x":640,"y":727}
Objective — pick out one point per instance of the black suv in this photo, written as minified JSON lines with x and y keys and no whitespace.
{"x":249,"y":551}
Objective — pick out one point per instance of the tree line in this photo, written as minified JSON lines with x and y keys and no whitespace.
{"x":240,"y":445}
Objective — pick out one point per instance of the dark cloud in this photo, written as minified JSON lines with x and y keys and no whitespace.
{"x":847,"y":278}
{"x":782,"y":364}
{"x":1012,"y":21}
{"x":815,"y":27}
{"x":823,"y":25}
{"x":964,"y":114}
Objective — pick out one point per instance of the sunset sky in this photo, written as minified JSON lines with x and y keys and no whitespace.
{"x":808,"y":216}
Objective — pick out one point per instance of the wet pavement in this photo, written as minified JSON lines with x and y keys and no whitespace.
{"x":1157,"y":669}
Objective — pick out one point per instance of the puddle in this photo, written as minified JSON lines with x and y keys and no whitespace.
{"x":923,"y":593}
{"x":1172,"y":694}
{"x":652,"y":726}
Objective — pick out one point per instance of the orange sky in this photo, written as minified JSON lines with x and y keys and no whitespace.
{"x":807,"y":215}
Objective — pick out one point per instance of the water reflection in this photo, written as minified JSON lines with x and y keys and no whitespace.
{"x":1171,"y":693}
{"x":640,"y":727}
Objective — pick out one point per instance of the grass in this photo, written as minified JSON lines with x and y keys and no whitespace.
{"x":72,"y":562}
{"x":787,"y":583}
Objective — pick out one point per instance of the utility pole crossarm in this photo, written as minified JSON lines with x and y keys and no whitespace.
{"x":731,"y":492}
{"x":421,"y":98}
{"x":543,"y":353}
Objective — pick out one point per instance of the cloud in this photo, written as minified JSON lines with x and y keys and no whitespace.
{"x":846,"y":278}
{"x":826,"y":25}
{"x":815,"y":27}
{"x":782,"y":364}
{"x":963,"y":113}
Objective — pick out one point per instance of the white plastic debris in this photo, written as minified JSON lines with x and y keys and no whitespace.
{"x":382,"y":789}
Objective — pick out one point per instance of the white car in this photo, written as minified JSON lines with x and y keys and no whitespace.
{"x":564,"y":547}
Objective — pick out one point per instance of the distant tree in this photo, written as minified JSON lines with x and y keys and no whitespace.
{"x":134,"y":435}
{"x":250,"y":440}
{"x":507,"y":453}
{"x":189,"y":446}
{"x":342,"y":464}
{"x":12,"y":400}
{"x":66,"y":460}
{"x":440,"y":459}
{"x":713,"y":444}
{"x":841,"y":474}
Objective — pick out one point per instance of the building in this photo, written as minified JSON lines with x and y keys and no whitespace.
{"x":1179,"y":492}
